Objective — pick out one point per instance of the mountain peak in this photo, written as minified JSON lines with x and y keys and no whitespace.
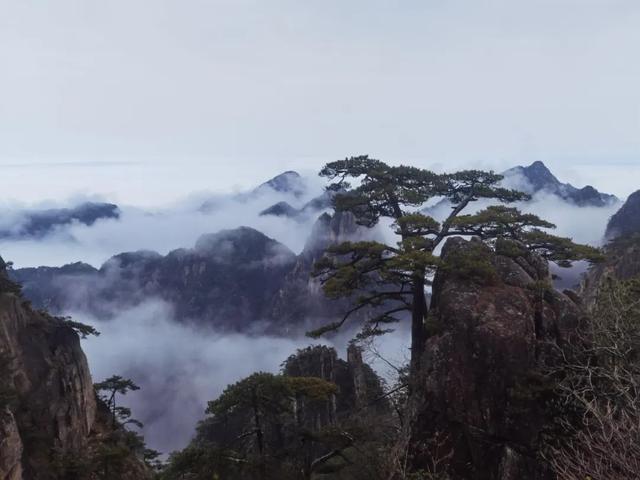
{"x":538,"y":164}
{"x":241,"y":245}
{"x":280,"y":209}
{"x":286,"y":182}
{"x":538,"y":178}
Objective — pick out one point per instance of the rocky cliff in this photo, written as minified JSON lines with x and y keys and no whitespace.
{"x":625,"y":221}
{"x":359,"y":386}
{"x":622,"y":252}
{"x":493,"y":326}
{"x":49,"y":403}
{"x":342,"y":433}
{"x":52,"y":426}
{"x":300,"y":296}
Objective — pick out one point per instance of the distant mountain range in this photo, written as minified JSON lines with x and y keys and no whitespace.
{"x":535,"y":178}
{"x":290,"y":184}
{"x":226,"y":280}
{"x":39,"y":223}
{"x":538,"y":178}
{"x":236,"y":279}
{"x":291,"y":187}
{"x":231,"y":280}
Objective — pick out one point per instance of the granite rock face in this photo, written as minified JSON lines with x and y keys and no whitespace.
{"x":489,"y":338}
{"x":625,"y":221}
{"x":50,"y":403}
{"x":358,"y":385}
{"x":622,"y":252}
{"x":300,"y":297}
{"x":10,"y":447}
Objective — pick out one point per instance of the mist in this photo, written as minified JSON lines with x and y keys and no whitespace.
{"x":177,"y":367}
{"x":180,"y":368}
{"x":163,"y":229}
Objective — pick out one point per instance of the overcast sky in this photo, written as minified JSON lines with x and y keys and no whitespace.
{"x":146,"y":100}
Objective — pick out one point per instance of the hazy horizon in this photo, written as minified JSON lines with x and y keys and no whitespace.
{"x":146,"y":105}
{"x":147,"y":184}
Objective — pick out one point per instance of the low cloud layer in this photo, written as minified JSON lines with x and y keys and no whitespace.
{"x":178,"y":368}
{"x":160,"y":230}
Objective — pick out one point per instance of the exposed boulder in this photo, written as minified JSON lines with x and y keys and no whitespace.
{"x":492,"y":329}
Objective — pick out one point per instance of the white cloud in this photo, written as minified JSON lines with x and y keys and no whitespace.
{"x":178,"y":368}
{"x":161,"y":230}
{"x":212,"y":92}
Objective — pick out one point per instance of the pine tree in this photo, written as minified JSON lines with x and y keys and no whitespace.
{"x":391,"y":279}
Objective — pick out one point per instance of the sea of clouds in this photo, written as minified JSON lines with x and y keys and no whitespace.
{"x":178,"y":368}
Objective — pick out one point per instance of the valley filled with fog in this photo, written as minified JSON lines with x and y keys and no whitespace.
{"x":183,"y":355}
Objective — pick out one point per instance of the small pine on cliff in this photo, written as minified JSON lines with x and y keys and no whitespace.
{"x":51,"y":424}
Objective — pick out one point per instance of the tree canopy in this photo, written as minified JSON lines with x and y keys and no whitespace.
{"x":390,"y":279}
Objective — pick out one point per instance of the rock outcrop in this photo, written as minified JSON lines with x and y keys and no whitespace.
{"x":327,"y":432}
{"x":300,"y":296}
{"x":492,"y":327}
{"x":625,"y":221}
{"x":52,"y":426}
{"x":622,"y":252}
{"x":622,"y":262}
{"x":358,"y":385}
{"x":49,"y":402}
